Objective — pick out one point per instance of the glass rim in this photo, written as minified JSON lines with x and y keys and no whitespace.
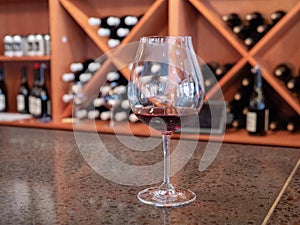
{"x":167,"y":37}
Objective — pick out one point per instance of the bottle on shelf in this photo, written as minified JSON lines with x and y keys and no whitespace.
{"x":221,"y":70}
{"x":232,"y":20}
{"x":293,"y":84}
{"x":133,"y":118}
{"x":252,"y":40}
{"x":34,"y":108}
{"x":239,"y":122}
{"x":3,"y":92}
{"x":106,"y":22}
{"x":283,"y":71}
{"x":254,"y":19}
{"x":40,"y":45}
{"x":44,"y":102}
{"x":47,"y":40}
{"x":23,"y":93}
{"x":276,"y":16}
{"x":31,"y":45}
{"x":8,"y":45}
{"x":263,"y":29}
{"x":90,"y":71}
{"x":258,"y":114}
{"x":19,"y":46}
{"x":116,"y":36}
{"x":293,"y":124}
{"x":80,"y":66}
{"x":129,"y":21}
{"x":243,"y":31}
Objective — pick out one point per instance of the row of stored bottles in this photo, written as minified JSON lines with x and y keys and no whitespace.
{"x":114,"y":28}
{"x":34,"y":100}
{"x":253,"y":26}
{"x":29,"y":45}
{"x":250,"y":109}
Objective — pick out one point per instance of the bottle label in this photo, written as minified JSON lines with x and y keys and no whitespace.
{"x":251,"y":121}
{"x":266,"y":119}
{"x":20,"y":103}
{"x":31,"y":101}
{"x":2,"y":103}
{"x":38,"y":107}
{"x":49,"y":108}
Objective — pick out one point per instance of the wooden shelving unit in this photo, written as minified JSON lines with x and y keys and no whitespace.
{"x":73,"y":39}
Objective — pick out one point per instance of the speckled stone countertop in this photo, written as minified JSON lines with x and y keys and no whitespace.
{"x":46,"y":179}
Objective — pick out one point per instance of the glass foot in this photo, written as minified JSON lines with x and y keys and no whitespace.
{"x":162,"y":198}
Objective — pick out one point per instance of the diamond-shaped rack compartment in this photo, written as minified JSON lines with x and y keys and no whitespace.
{"x":153,"y":22}
{"x":281,"y":45}
{"x":214,"y":10}
{"x":209,"y":43}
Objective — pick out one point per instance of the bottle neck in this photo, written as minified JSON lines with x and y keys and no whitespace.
{"x":24,"y":75}
{"x":42,"y":76}
{"x":1,"y":74}
{"x":258,"y":79}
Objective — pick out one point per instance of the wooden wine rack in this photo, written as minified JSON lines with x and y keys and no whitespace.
{"x":73,"y":39}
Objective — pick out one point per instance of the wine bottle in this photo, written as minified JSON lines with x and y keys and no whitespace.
{"x":23,"y":93}
{"x":43,"y":100}
{"x":67,"y":77}
{"x":254,"y":19}
{"x":129,"y":21}
{"x":93,"y":114}
{"x":3,"y":92}
{"x":242,"y":31}
{"x":293,"y":84}
{"x":222,"y":70}
{"x":40,"y":45}
{"x":133,"y":118}
{"x":47,"y":40}
{"x":275,"y":125}
{"x":257,"y":116}
{"x":66,"y":98}
{"x":276,"y":16}
{"x":213,"y":66}
{"x":293,"y":124}
{"x":8,"y":45}
{"x":263,"y":29}
{"x":252,"y":40}
{"x":34,"y":93}
{"x":239,"y":122}
{"x":209,"y":82}
{"x":284,"y":72}
{"x":31,"y":45}
{"x":106,"y":22}
{"x":242,"y":96}
{"x":18,"y":45}
{"x":80,"y":113}
{"x":80,"y":66}
{"x":104,"y":32}
{"x":232,"y":20}
{"x":117,"y":36}
{"x":91,"y":70}
{"x":115,"y":78}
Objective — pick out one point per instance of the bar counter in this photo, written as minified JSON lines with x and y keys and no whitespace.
{"x":49,"y":177}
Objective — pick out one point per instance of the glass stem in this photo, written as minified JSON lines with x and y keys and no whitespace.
{"x":166,"y":138}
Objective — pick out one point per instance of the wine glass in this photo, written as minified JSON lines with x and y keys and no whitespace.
{"x":166,"y":92}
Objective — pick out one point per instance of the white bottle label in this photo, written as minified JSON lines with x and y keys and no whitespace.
{"x":20,"y":103}
{"x":251,"y":122}
{"x":266,"y":119}
{"x":49,"y":108}
{"x":38,"y":107}
{"x":31,"y":101}
{"x":2,"y":102}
